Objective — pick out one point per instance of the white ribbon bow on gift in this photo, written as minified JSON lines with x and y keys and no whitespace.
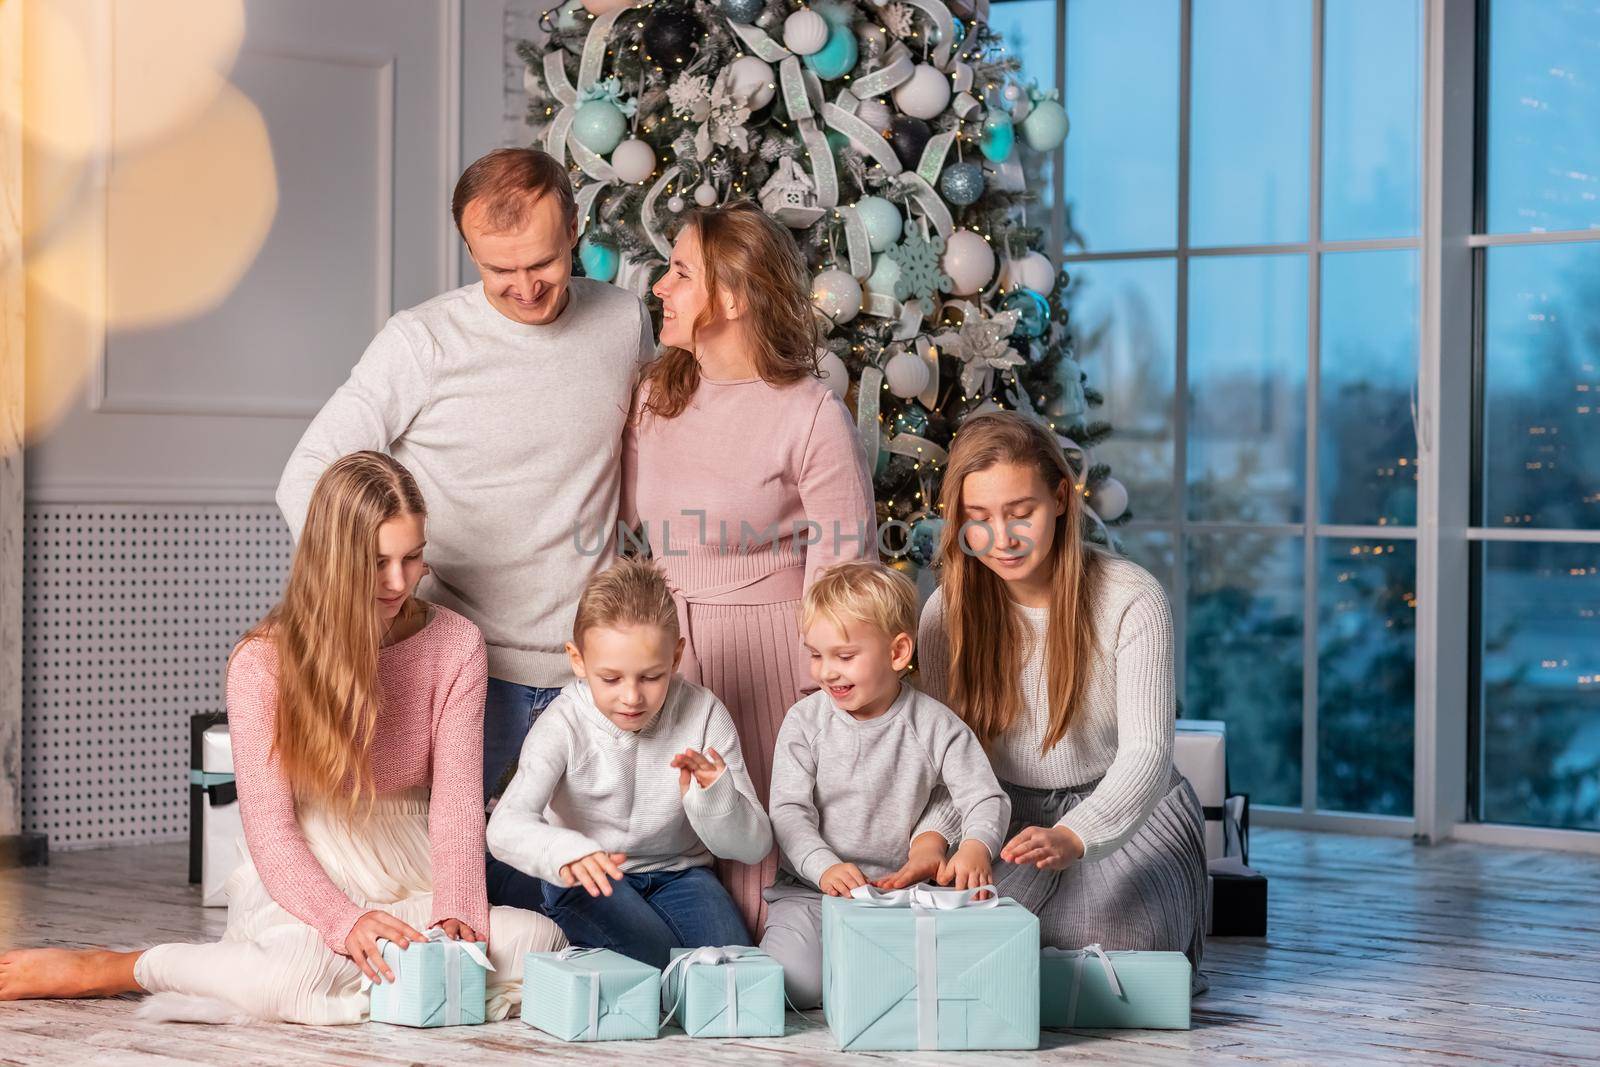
{"x":452,"y":969}
{"x":1080,"y":958}
{"x":924,"y":900}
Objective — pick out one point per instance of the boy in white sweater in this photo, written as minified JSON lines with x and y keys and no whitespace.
{"x":856,"y":766}
{"x":621,"y":844}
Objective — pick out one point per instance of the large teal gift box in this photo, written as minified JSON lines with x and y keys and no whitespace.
{"x":725,"y":992}
{"x":1093,"y":989}
{"x":925,"y":968}
{"x":438,"y":982}
{"x":590,"y":994}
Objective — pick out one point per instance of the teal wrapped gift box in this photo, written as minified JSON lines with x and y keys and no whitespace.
{"x":725,"y":992}
{"x":590,"y":994}
{"x":1092,"y":989}
{"x":438,"y":982}
{"x":907,"y":971}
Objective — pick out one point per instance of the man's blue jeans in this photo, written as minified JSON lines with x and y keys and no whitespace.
{"x":648,"y":915}
{"x":508,"y":714}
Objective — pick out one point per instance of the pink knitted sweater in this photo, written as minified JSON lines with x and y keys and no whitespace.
{"x":430,"y":735}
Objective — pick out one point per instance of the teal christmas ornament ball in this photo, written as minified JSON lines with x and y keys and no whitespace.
{"x":885,"y":274}
{"x":998,"y":137}
{"x":742,"y":11}
{"x":922,"y":543}
{"x":1046,"y":126}
{"x":913,"y":418}
{"x":1035,"y":312}
{"x":837,"y":57}
{"x":882,"y":220}
{"x":600,"y":261}
{"x":599,"y":126}
{"x":962,"y":183}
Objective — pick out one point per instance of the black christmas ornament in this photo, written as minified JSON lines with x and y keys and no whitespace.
{"x":908,"y":137}
{"x":671,"y":36}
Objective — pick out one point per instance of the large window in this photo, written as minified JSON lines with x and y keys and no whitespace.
{"x":1252,"y":202}
{"x":1245,"y":178}
{"x":1536,"y":635}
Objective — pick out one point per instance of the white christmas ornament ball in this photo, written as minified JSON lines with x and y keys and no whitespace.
{"x":837,"y":294}
{"x":835,"y":375}
{"x":752,"y":80}
{"x":1033,"y":271}
{"x":906,"y":374}
{"x":1109,"y":499}
{"x":805,"y":32}
{"x":969,"y":261}
{"x":634,"y":160}
{"x":925,"y":94}
{"x":875,"y":113}
{"x":705,"y":194}
{"x":674,"y":204}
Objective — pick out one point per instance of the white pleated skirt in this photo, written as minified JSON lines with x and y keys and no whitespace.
{"x":269,"y":965}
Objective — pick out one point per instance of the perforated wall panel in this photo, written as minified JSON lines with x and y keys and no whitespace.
{"x":128,"y":617}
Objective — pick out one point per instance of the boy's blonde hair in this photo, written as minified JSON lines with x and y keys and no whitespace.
{"x":862,"y":591}
{"x":631,"y":592}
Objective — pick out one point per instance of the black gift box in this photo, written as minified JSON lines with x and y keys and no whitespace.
{"x":198,"y":789}
{"x":1238,"y":900}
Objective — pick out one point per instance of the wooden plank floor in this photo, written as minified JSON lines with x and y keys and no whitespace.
{"x":1380,"y":951}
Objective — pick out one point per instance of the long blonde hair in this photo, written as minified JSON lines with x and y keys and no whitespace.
{"x":327,"y":634}
{"x":753,"y":256}
{"x":986,"y":631}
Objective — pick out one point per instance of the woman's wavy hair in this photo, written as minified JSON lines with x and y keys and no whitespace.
{"x":327,"y":634}
{"x":752,"y":256}
{"x":986,"y":631}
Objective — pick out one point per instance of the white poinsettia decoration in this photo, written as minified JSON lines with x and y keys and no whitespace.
{"x":982,"y":344}
{"x":727,"y":118}
{"x":690,"y":97}
{"x":897,"y":19}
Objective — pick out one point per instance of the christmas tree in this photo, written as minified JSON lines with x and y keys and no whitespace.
{"x":887,"y":137}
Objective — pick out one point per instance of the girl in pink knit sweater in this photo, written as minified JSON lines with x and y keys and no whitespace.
{"x":357,"y":716}
{"x":746,"y":473}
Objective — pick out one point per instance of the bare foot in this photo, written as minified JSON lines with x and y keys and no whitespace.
{"x":37,"y":973}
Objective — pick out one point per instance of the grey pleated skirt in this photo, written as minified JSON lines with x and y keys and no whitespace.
{"x":1150,"y":894}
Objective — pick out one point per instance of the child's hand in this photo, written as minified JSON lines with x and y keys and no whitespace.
{"x":838,"y":880}
{"x":968,"y":868}
{"x":594,"y":872}
{"x":703,"y":769}
{"x":926,"y":859}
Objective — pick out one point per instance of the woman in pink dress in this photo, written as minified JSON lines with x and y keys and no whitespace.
{"x":745,"y":472}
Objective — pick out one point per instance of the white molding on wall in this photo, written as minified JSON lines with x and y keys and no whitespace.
{"x":102,"y":400}
{"x":155,"y":491}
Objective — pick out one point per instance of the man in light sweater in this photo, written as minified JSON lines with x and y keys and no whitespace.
{"x":506,"y":400}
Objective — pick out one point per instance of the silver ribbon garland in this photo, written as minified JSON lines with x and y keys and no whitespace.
{"x":867,"y":414}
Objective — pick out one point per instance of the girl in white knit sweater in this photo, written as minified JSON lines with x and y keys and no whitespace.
{"x":629,"y":783}
{"x":1059,"y":656}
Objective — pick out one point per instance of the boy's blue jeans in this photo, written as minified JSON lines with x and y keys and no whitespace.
{"x":508,"y":714}
{"x":648,"y":915}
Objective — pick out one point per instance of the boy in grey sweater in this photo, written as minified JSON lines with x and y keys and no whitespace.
{"x":856,"y":765}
